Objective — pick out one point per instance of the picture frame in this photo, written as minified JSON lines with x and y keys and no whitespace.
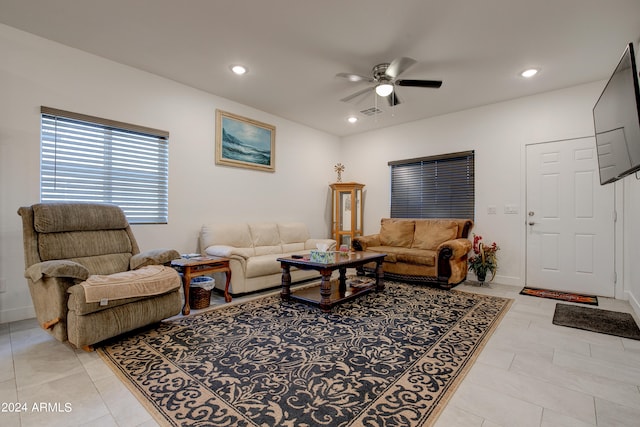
{"x":245,"y":143}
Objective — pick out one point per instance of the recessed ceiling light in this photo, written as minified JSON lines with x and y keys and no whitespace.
{"x":352,"y":119}
{"x":239,"y":69}
{"x":529,"y":73}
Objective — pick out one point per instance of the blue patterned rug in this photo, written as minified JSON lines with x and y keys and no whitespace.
{"x":389,"y":358}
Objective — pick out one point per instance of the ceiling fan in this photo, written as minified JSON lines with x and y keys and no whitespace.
{"x":385,"y":77}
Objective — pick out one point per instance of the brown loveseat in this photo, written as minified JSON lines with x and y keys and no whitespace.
{"x":421,"y":250}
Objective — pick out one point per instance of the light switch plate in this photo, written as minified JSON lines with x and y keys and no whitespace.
{"x":510,"y":209}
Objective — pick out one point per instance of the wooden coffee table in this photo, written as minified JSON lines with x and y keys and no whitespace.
{"x":199,"y":266}
{"x":329,"y":293}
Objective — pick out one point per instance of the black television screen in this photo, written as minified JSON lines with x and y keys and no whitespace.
{"x":616,"y":118}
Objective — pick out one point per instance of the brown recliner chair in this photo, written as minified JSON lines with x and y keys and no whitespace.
{"x":87,"y":277}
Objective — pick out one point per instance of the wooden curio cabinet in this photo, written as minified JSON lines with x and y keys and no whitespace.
{"x":347,"y":211}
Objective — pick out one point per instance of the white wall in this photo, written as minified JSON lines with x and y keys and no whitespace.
{"x":202,"y":192}
{"x":498,"y":133}
{"x":631,"y":237}
{"x":35,"y":72}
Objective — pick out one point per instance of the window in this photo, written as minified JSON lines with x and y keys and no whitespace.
{"x":88,"y":159}
{"x":433,"y":187}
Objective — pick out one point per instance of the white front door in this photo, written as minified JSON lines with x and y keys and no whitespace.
{"x":570,"y":219}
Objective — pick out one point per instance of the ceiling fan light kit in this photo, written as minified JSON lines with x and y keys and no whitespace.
{"x":384,"y":89}
{"x":385,"y":78}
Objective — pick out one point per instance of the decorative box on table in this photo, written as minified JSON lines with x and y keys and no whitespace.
{"x":323,"y":257}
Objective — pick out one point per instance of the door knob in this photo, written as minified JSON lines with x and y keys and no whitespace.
{"x":531,"y":223}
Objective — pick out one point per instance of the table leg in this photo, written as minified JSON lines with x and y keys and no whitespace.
{"x":342,"y":283}
{"x":325,"y":291}
{"x":186,"y":282}
{"x":286,"y":282}
{"x":227,"y":296}
{"x":379,"y":277}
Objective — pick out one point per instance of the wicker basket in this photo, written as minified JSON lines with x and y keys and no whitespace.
{"x":199,"y":297}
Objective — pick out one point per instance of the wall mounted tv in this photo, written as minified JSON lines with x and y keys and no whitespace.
{"x":616,"y":117}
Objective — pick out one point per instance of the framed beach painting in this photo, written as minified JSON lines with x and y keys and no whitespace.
{"x":245,"y":143}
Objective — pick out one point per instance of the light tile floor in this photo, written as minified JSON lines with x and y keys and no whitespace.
{"x":531,"y":373}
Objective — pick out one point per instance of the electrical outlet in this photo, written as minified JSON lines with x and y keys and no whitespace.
{"x":3,"y":285}
{"x":491,"y":210}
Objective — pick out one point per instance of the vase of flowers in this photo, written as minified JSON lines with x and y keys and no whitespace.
{"x":484,"y":259}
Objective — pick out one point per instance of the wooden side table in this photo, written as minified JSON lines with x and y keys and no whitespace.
{"x":199,"y":266}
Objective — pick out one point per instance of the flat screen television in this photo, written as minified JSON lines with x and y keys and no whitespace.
{"x":616,"y":118}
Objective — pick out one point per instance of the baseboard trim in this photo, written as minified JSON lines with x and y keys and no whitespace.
{"x":635,"y":304}
{"x":508,"y":280}
{"x":16,"y":314}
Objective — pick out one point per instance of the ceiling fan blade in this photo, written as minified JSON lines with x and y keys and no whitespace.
{"x":435,"y":84}
{"x":355,"y":95}
{"x":399,"y":66}
{"x":393,"y":99}
{"x":354,"y":77}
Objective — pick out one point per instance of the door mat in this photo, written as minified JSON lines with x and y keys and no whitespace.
{"x":563,"y":296}
{"x":597,"y":320}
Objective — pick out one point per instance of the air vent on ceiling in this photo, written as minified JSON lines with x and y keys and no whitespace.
{"x":371,"y":111}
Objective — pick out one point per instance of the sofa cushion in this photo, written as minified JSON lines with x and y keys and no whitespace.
{"x":293,"y":232}
{"x":430,"y":233}
{"x":266,"y":250}
{"x":146,"y":281}
{"x":418,"y":257}
{"x":59,"y":217}
{"x":65,"y":245}
{"x":288,"y":248}
{"x":265,"y":234}
{"x":263,"y":265}
{"x":389,"y":250}
{"x":396,"y":232}
{"x":78,"y":305}
{"x":406,"y":255}
{"x":236,"y":235}
{"x":105,"y":264}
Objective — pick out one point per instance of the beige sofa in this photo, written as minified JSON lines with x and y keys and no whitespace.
{"x":254,"y":248}
{"x":421,"y":250}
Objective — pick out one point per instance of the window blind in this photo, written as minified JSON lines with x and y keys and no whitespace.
{"x":433,"y":187}
{"x":89,"y":159}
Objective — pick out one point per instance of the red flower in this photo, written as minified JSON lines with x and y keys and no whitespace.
{"x":484,"y":258}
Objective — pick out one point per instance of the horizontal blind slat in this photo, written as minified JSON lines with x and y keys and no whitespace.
{"x":441,"y":186}
{"x":96,"y":162}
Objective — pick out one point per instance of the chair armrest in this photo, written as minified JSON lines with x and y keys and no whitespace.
{"x":57,"y":268}
{"x":311,"y":244}
{"x":361,"y":243}
{"x":454,"y":249}
{"x":152,"y":257}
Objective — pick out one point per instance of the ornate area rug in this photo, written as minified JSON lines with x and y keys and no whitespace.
{"x":389,"y":358}
{"x":559,"y":295}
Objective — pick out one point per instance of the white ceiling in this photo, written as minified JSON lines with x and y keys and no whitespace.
{"x":294,"y":48}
